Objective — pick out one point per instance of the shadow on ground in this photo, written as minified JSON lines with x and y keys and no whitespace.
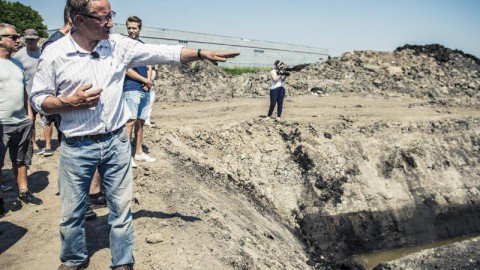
{"x":10,"y":234}
{"x":98,"y":230}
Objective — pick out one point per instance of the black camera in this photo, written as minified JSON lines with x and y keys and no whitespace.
{"x":283,"y":72}
{"x":282,"y":69}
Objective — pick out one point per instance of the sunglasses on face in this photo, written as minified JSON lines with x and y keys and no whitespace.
{"x":12,"y":37}
{"x":104,"y":19}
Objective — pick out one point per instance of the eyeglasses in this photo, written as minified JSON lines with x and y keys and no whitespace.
{"x":12,"y":37}
{"x":103,"y":20}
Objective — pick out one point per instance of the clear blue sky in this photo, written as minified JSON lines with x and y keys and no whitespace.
{"x":338,"y":25}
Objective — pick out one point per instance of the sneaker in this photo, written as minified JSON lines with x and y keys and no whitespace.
{"x":149,"y":124}
{"x":123,"y":267}
{"x":144,"y":157}
{"x":38,"y":151}
{"x":77,"y":267}
{"x":66,"y":267}
{"x":90,"y":215}
{"x":5,"y":188}
{"x":2,"y":208}
{"x":134,"y":165}
{"x":28,"y":198}
{"x":48,"y":152}
{"x":97,"y":200}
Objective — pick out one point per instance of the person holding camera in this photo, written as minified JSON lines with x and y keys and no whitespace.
{"x":277,"y":91}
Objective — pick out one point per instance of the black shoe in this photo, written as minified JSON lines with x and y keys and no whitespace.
{"x":28,"y":198}
{"x":2,"y":208}
{"x":97,"y":200}
{"x":89,"y":214}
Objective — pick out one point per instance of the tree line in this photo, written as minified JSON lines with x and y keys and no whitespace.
{"x":22,"y":17}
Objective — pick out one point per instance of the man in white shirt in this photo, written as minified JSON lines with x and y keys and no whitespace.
{"x":81,"y":77}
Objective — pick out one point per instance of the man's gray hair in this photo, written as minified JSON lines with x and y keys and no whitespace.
{"x":78,"y":7}
{"x":4,"y":26}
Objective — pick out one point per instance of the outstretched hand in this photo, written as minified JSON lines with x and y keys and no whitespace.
{"x":218,"y":56}
{"x":189,"y":55}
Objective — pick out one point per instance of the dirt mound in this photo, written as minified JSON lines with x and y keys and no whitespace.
{"x":204,"y":81}
{"x":442,"y":75}
{"x":439,"y":52}
{"x":198,"y":81}
{"x":403,"y":72}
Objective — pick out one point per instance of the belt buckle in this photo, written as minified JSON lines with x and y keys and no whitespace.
{"x":92,"y":137}
{"x":96,"y":137}
{"x":102,"y":136}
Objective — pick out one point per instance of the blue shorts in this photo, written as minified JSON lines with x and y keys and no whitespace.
{"x":137,"y":103}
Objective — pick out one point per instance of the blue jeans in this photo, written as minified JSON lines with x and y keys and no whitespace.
{"x":276,"y":97}
{"x":137,"y":102}
{"x":79,"y":158}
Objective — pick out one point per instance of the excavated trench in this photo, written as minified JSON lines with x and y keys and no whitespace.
{"x":352,"y":189}
{"x":348,"y":187}
{"x":431,"y":212}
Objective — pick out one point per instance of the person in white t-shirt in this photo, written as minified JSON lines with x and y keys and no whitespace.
{"x":277,"y":91}
{"x":15,"y":125}
{"x":29,"y":56}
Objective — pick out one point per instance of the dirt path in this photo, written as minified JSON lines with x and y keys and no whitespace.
{"x":304,"y":109}
{"x":182,"y":220}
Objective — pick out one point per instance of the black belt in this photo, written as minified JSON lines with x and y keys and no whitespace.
{"x":99,"y":137}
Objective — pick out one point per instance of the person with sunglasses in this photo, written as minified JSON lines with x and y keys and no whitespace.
{"x":81,"y":77}
{"x":15,"y":125}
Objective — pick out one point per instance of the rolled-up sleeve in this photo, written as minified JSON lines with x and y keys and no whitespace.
{"x":136,"y":53}
{"x":43,"y":84}
{"x":156,"y":54}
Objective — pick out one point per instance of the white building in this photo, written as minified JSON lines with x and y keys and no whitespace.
{"x":253,"y":53}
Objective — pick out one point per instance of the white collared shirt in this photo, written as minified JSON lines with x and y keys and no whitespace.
{"x":64,"y":67}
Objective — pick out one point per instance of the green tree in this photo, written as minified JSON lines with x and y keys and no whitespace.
{"x":22,"y":17}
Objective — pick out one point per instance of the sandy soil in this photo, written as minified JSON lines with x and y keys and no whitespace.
{"x":183,"y":221}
